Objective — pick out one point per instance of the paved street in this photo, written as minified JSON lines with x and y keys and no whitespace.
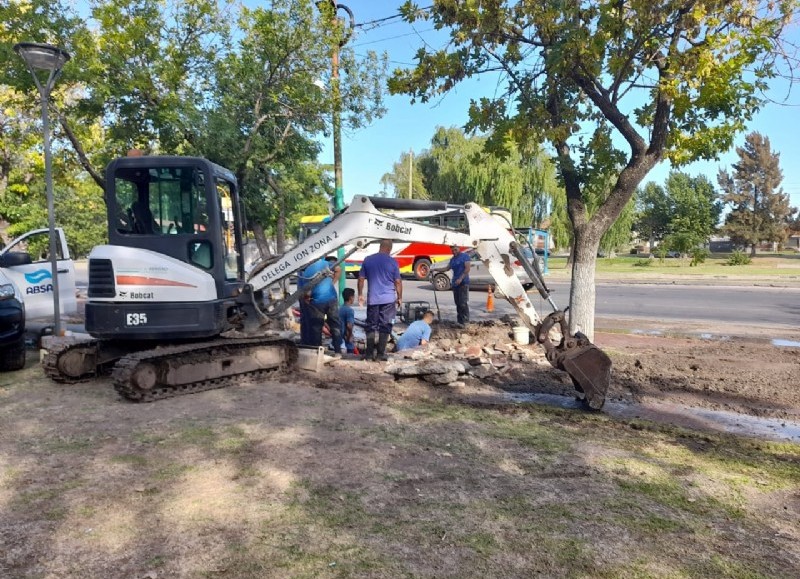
{"x":746,"y":305}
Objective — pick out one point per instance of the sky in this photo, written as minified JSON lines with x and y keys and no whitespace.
{"x":369,"y":153}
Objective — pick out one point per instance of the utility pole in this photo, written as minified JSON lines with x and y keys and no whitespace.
{"x":341,"y":36}
{"x":410,"y":173}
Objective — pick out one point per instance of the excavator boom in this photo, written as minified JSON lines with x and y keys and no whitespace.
{"x":363,"y":223}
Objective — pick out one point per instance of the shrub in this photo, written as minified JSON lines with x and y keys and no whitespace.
{"x":699,"y":255}
{"x":642,"y":263}
{"x":739,"y":258}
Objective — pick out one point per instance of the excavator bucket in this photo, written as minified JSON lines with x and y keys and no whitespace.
{"x":587,"y":365}
{"x":590,"y":370}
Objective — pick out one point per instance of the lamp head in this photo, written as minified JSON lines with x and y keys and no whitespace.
{"x":42,"y":56}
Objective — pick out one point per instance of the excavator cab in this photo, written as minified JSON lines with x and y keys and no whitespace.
{"x":174,"y":254}
{"x":183,"y":207}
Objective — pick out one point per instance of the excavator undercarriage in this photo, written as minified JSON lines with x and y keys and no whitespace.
{"x":168,"y":370}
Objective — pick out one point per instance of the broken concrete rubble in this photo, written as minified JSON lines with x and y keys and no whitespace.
{"x":424,"y":367}
{"x":446,"y":378}
{"x":480,"y":351}
{"x":482,"y":372}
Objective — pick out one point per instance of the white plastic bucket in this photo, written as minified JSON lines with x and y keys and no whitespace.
{"x":522,"y":335}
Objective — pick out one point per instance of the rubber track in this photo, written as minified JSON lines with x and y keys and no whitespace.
{"x":124,"y":368}
{"x":50,"y":361}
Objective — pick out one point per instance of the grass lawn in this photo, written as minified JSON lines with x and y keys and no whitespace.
{"x":287,"y":480}
{"x":783,"y":266}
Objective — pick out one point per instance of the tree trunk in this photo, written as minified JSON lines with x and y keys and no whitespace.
{"x":261,"y":240}
{"x":582,"y":288}
{"x":280,"y":230}
{"x":280,"y":226}
{"x":83,"y":159}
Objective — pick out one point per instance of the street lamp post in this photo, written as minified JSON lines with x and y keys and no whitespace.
{"x":342,"y":36}
{"x":50,"y":59}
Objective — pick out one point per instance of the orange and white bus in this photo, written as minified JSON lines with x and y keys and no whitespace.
{"x":414,"y":258}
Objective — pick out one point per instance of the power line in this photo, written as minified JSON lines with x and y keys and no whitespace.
{"x":391,"y":38}
{"x":400,"y":62}
{"x":380,"y":21}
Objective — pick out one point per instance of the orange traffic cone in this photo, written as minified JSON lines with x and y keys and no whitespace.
{"x":490,"y":300}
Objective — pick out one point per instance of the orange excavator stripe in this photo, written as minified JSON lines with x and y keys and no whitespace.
{"x":144,"y":280}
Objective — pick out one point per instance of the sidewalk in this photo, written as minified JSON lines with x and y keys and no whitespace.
{"x":563,"y":275}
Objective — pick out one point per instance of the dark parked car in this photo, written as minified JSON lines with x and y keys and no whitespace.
{"x":12,"y":326}
{"x":479,"y":276}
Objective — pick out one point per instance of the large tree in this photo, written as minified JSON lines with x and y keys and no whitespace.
{"x":652,"y":213}
{"x":760,"y":209}
{"x":268,"y":106}
{"x":673,"y":79}
{"x":200,"y":77}
{"x":685,"y":206}
{"x":405,"y":178}
{"x":458,"y":168}
{"x":695,"y":208}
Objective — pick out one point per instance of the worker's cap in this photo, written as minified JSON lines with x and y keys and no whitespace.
{"x":453,"y":245}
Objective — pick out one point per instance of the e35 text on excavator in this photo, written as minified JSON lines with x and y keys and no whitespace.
{"x":173,"y":307}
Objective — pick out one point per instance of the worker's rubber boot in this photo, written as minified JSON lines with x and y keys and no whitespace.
{"x":370,"y":353}
{"x":382,"y":340}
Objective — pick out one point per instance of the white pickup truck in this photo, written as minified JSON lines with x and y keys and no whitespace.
{"x":26,"y":289}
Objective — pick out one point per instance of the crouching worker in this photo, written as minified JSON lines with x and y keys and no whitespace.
{"x":348,"y":318}
{"x":417,"y":334}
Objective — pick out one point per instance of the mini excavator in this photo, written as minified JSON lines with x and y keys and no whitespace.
{"x":173,"y":306}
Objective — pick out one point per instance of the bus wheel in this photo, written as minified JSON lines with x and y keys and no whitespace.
{"x":422,"y":267}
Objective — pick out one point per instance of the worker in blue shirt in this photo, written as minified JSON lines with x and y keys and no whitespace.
{"x":320,"y":303}
{"x":384,"y":295}
{"x":417,"y":334}
{"x":460,"y":264}
{"x":348,"y":318}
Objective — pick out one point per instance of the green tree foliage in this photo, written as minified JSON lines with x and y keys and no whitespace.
{"x":760,"y":209}
{"x":668,"y":79}
{"x":459,"y":169}
{"x":652,"y":213}
{"x":406,"y":172}
{"x":695,"y":208}
{"x":268,"y":105}
{"x":682,"y":214}
{"x":201,"y":77}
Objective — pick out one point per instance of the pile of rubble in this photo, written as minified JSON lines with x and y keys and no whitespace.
{"x":483,"y":351}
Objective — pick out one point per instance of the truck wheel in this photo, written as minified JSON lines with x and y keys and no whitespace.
{"x":422,"y":267}
{"x":13,"y":357}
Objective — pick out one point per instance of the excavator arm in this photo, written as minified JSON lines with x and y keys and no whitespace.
{"x":363,"y":223}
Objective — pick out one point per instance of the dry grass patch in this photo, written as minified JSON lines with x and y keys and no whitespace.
{"x":293,"y":481}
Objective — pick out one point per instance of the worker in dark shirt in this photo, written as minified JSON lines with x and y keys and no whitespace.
{"x":385,"y":294}
{"x":460,"y":264}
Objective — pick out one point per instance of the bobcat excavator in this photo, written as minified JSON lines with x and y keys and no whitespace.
{"x":173,"y":307}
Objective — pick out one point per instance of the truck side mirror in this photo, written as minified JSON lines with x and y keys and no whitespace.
{"x":13,"y":258}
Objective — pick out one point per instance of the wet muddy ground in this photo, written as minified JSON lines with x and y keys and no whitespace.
{"x":748,"y":385}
